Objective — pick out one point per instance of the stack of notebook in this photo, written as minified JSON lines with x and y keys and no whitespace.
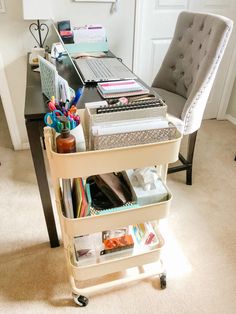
{"x":121,"y":88}
{"x":74,"y":198}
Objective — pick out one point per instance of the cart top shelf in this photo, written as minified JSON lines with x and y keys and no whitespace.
{"x":83,"y":164}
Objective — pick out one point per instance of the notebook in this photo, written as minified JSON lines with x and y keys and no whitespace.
{"x":67,"y":198}
{"x":102,"y":69}
{"x":121,"y":88}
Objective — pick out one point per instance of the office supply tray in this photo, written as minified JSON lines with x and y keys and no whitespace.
{"x":111,"y":263}
{"x":109,"y":141}
{"x":92,"y":117}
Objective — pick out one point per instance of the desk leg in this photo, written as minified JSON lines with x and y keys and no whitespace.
{"x":39,"y":166}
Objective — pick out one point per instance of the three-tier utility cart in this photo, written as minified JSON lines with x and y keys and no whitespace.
{"x":84,"y":164}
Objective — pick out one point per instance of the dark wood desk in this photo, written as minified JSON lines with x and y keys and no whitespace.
{"x":35,"y":109}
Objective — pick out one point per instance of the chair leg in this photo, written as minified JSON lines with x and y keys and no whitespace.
{"x":190,"y":153}
{"x":187,"y":164}
{"x":43,"y":139}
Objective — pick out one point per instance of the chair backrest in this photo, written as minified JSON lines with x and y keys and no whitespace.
{"x":191,"y":62}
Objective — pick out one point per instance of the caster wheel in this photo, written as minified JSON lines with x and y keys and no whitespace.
{"x":80,"y":300}
{"x":163,"y":281}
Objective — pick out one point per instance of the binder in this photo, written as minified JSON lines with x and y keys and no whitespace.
{"x":84,"y":206}
{"x":79,"y":198}
{"x":67,"y":198}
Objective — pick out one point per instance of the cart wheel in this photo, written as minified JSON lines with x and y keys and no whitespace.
{"x":80,"y":300}
{"x":163,"y":281}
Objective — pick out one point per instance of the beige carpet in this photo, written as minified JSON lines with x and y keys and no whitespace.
{"x":200,"y":252}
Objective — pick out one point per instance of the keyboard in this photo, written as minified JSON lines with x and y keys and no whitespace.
{"x":99,"y":68}
{"x":102,"y":70}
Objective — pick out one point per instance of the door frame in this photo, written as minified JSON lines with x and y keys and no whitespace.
{"x":227,"y":89}
{"x":137,"y":33}
{"x":9,"y":109}
{"x":228,"y":84}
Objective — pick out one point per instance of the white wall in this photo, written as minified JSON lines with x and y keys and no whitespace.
{"x":13,"y":50}
{"x":16,"y":40}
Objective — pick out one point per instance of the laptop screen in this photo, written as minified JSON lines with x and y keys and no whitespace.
{"x":67,"y":53}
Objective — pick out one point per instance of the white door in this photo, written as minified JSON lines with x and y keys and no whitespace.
{"x":155,"y":24}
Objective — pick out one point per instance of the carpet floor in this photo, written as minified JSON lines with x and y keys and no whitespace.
{"x":199,"y":255}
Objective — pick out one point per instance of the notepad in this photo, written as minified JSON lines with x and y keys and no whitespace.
{"x":121,"y":88}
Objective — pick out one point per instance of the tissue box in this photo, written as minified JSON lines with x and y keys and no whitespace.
{"x":157,"y":194}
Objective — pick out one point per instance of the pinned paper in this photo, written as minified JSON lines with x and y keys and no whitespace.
{"x":114,"y":7}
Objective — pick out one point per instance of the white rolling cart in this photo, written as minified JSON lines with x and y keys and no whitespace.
{"x":84,"y":164}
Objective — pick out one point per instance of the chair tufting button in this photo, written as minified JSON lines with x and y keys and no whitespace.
{"x":201,"y":27}
{"x":198,"y":66}
{"x":200,"y":46}
{"x":180,"y":38}
{"x":173,"y":67}
{"x":181,"y":56}
{"x":190,"y":25}
{"x":191,"y":42}
{"x":209,"y":31}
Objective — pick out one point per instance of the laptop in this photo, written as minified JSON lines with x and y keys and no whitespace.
{"x":92,"y":70}
{"x":103,"y":69}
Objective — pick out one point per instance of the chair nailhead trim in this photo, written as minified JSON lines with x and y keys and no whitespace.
{"x":188,"y":114}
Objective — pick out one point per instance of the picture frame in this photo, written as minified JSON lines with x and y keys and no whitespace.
{"x":95,"y":1}
{"x":2,"y":6}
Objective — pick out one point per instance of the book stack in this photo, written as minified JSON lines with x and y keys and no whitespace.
{"x":75,"y":202}
{"x":123,"y":88}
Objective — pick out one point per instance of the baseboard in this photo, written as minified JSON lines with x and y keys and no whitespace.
{"x":25,"y":146}
{"x":230,"y":118}
{"x":22,"y":146}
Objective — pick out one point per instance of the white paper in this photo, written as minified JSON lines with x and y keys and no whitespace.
{"x":89,"y":34}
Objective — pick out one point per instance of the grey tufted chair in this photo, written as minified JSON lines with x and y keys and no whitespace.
{"x":187,"y":73}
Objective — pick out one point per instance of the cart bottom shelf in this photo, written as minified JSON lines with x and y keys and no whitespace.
{"x":92,"y":287}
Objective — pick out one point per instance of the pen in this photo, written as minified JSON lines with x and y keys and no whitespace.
{"x":77,"y":96}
